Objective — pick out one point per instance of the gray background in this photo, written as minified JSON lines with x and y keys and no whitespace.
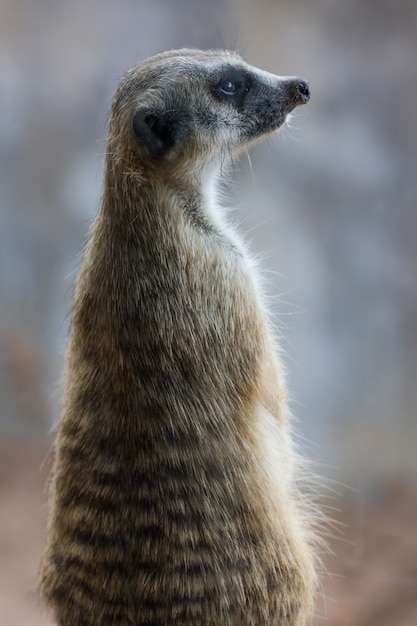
{"x":330,"y":206}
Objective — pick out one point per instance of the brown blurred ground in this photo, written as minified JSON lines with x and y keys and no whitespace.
{"x":372,"y":577}
{"x":374,"y":567}
{"x":23,"y":476}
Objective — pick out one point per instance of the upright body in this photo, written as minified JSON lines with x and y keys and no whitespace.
{"x":174,"y":498}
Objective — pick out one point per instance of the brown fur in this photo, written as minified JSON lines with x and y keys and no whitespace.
{"x":174,"y":498}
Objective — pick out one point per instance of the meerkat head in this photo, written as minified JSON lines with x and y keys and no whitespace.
{"x":191,"y":110}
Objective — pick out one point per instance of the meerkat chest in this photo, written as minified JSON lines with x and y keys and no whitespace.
{"x":219,"y":314}
{"x":198,"y":309}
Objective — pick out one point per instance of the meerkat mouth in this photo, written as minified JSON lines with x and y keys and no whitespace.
{"x":287,"y":119}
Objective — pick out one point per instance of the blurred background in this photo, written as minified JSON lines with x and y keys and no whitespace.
{"x":329,"y":205}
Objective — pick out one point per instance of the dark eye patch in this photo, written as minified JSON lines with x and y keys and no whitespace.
{"x":232,"y":87}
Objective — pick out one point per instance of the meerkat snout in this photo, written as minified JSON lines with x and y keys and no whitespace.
{"x":304,"y":90}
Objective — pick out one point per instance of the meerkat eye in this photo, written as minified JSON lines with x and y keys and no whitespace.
{"x":232,"y":87}
{"x":227,"y":86}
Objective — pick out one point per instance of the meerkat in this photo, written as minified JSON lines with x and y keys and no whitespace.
{"x":175,"y":497}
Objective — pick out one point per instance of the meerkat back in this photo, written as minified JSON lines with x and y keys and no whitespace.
{"x":174,"y":497}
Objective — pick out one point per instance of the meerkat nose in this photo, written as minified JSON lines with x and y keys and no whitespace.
{"x":303,"y":90}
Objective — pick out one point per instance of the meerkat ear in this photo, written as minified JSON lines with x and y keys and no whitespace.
{"x":157,"y":131}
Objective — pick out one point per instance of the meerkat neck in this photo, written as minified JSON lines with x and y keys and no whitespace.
{"x":151,"y":202}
